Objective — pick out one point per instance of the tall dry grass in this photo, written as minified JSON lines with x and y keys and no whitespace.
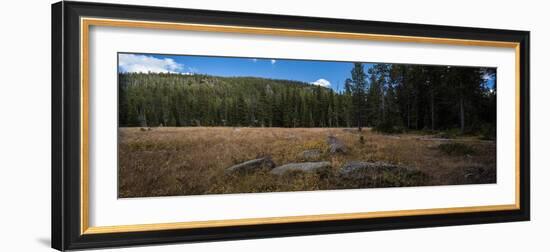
{"x":189,"y":161}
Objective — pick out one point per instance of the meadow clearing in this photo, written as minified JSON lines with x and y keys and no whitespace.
{"x":165,"y":161}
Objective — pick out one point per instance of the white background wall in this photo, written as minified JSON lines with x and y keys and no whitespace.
{"x":25,"y":125}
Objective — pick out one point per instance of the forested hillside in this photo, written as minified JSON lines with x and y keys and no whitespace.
{"x":386,"y":96}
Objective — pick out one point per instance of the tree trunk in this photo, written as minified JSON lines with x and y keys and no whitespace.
{"x":383,"y":103}
{"x":433,"y":109}
{"x":461,"y":114}
{"x":408,"y":114}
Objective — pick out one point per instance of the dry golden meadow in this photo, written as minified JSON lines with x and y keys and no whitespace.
{"x":192,"y":160}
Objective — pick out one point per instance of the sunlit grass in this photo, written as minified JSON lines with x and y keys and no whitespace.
{"x":192,"y":160}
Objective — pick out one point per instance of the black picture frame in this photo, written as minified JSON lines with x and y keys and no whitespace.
{"x":66,"y":114}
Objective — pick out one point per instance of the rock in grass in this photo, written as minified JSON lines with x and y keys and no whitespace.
{"x":360,"y":169}
{"x":380,"y":174}
{"x":251,"y":166}
{"x":301,"y":167}
{"x":336,"y":145}
{"x":478,"y":174}
{"x":311,"y":155}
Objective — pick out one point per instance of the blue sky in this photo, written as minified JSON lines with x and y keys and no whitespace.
{"x":324,"y":73}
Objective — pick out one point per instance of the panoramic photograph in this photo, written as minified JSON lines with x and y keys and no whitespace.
{"x":197,"y":125}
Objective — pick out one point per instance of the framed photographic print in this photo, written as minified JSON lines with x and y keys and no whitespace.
{"x":180,"y":125}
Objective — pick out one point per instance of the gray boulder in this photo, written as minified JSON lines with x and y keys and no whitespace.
{"x":309,"y":167}
{"x":393,"y":137}
{"x":434,"y":139}
{"x":360,"y":169}
{"x":251,"y":166}
{"x":311,"y":155}
{"x":478,"y":174}
{"x":336,"y":145}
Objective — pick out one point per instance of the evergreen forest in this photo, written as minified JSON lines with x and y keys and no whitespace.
{"x":389,"y":97}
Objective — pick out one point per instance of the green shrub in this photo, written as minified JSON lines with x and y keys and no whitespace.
{"x":388,"y":128}
{"x":450,"y":133}
{"x":488,"y":132}
{"x":456,"y":149}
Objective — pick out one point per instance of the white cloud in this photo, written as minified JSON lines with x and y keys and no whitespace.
{"x":132,"y":63}
{"x":273,"y":61}
{"x":487,"y":76}
{"x":321,"y":82}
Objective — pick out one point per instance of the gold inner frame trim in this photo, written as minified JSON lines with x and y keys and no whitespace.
{"x":86,"y":23}
{"x":289,"y":219}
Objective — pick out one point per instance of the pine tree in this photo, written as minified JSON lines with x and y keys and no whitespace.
{"x":357,"y":85}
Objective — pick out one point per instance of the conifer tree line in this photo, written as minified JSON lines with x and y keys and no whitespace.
{"x":385,"y":96}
